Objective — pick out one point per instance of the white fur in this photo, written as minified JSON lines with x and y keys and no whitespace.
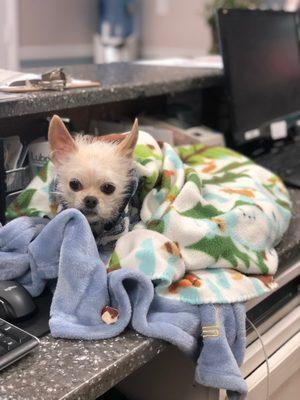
{"x":93,"y":164}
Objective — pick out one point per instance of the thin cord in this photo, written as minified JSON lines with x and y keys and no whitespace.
{"x":265,"y":354}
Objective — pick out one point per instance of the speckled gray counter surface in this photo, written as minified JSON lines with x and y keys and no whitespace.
{"x":118,"y":81}
{"x":76,"y":369}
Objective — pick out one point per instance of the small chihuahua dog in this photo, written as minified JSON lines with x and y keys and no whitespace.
{"x":93,"y":173}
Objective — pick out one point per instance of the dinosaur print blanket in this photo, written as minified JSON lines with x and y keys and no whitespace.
{"x":209,"y":221}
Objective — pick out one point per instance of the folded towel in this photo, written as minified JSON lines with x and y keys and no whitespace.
{"x":84,"y":289}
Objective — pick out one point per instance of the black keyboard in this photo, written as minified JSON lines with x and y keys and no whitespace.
{"x":14,"y":343}
{"x":283,"y":161}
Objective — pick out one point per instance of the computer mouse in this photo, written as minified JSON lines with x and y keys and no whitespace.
{"x":15,"y":301}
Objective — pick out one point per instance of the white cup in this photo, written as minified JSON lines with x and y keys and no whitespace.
{"x":39,"y":153}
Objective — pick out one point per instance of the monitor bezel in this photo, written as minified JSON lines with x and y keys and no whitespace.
{"x":235,"y":136}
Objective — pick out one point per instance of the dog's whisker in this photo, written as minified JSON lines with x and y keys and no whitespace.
{"x":86,"y":166}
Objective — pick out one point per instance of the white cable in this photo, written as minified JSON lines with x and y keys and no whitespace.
{"x":266,"y":356}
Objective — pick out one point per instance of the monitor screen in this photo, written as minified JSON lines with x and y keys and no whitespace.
{"x":260,"y":50}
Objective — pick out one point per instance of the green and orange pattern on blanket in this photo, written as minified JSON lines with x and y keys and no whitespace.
{"x":210,"y":219}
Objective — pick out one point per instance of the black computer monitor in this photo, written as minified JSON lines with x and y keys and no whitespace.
{"x":260,"y":50}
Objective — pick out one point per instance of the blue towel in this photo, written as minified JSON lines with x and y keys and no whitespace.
{"x":34,"y":251}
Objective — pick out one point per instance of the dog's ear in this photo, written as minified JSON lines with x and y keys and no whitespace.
{"x":127,"y":146}
{"x":60,"y":140}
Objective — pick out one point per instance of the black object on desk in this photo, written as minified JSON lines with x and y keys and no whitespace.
{"x":30,"y":317}
{"x":284,"y":160}
{"x":30,"y":320}
{"x":260,"y":50}
{"x":14,"y":343}
{"x":38,"y":323}
{"x":15,"y":301}
{"x":18,"y":307}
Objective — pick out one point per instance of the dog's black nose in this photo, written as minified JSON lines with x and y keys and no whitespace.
{"x":90,"y":202}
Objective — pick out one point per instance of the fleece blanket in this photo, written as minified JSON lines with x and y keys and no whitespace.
{"x":209,"y":221}
{"x":214,"y":336}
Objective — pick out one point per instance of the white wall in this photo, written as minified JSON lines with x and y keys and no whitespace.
{"x":174,"y":28}
{"x":9,"y":34}
{"x":57,"y":28}
{"x":63,"y":29}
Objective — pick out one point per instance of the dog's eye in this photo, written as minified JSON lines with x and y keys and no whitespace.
{"x":75,"y":185}
{"x":107,"y":188}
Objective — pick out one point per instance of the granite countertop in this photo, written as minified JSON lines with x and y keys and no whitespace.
{"x":76,"y":369}
{"x":118,"y":82}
